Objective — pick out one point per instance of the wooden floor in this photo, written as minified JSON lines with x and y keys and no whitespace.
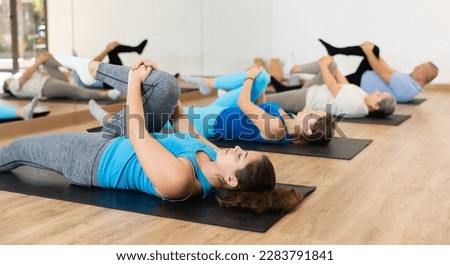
{"x":396,"y":191}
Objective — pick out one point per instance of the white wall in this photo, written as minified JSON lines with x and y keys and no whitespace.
{"x":212,"y":37}
{"x":172,"y":28}
{"x":191,"y":36}
{"x":234,"y":33}
{"x":408,"y":32}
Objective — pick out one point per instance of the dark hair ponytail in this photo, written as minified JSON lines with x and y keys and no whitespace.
{"x":256,"y":191}
{"x":322,"y":131}
{"x":277,"y":200}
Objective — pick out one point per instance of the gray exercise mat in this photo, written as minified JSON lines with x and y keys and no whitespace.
{"x":392,"y":120}
{"x":338,"y":148}
{"x":42,"y":183}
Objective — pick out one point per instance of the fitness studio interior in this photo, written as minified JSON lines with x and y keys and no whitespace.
{"x":194,"y":122}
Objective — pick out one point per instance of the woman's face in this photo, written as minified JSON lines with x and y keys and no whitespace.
{"x":307,"y":118}
{"x":229,"y":160}
{"x":373,"y":100}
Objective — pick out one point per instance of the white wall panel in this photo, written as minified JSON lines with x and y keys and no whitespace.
{"x":213,"y":37}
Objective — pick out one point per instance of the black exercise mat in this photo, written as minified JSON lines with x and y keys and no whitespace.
{"x":6,"y":96}
{"x":95,"y":129}
{"x":36,"y":182}
{"x":188,"y":89}
{"x":392,"y":120}
{"x":35,"y":115}
{"x":339,"y":148}
{"x":414,"y":101}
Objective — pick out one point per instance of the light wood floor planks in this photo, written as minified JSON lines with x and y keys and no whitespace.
{"x":396,"y":191}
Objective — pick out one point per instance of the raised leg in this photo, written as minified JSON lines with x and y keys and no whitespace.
{"x":160,"y":93}
{"x":234,"y":83}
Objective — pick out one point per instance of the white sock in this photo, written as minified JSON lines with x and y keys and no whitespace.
{"x":29,"y":108}
{"x":97,"y":111}
{"x":78,"y":64}
{"x":221,"y":92}
{"x":114,"y":94}
{"x":205,"y":90}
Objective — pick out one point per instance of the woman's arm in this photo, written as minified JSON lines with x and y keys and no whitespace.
{"x":340,"y":78}
{"x":30,"y":71}
{"x":262,"y":98}
{"x":328,"y":78}
{"x":172,"y":177}
{"x":270,"y":127}
{"x":181,"y":123}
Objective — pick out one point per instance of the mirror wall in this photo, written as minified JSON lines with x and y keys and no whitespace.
{"x":214,"y":37}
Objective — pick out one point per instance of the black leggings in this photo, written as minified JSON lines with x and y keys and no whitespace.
{"x":364,"y":66}
{"x":279,"y":87}
{"x":114,"y":58}
{"x":114,"y":54}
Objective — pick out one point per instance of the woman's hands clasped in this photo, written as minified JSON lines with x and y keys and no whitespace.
{"x":142,"y":69}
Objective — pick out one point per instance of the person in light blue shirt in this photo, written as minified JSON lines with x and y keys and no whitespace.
{"x":374,"y":74}
{"x":172,"y":166}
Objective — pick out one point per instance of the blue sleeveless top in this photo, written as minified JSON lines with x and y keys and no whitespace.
{"x":119,"y":167}
{"x":232,"y":124}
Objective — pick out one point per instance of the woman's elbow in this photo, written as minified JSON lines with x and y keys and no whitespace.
{"x":263,"y":79}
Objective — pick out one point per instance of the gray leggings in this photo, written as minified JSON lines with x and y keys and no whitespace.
{"x":77,"y":155}
{"x":58,"y":86}
{"x":74,"y":155}
{"x":51,"y":65}
{"x":295,"y":100}
{"x":160,"y":93}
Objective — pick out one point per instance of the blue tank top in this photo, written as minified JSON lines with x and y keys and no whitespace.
{"x":232,"y":124}
{"x":119,"y":167}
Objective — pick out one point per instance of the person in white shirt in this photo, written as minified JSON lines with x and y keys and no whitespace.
{"x":330,"y":91}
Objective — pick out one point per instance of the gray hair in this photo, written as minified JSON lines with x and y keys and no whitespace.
{"x":385,"y":108}
{"x":431,"y":73}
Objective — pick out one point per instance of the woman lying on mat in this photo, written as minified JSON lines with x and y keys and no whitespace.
{"x":26,"y":113}
{"x":329,"y":88}
{"x":52,"y":84}
{"x":174,"y":166}
{"x":235,"y":116}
